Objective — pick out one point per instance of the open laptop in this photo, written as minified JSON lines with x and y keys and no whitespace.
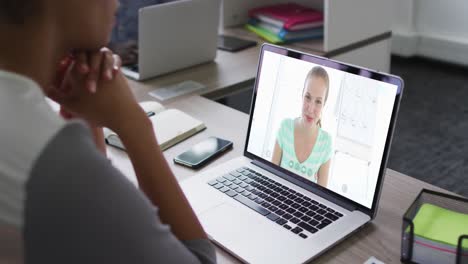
{"x":266,"y":213}
{"x":175,"y":35}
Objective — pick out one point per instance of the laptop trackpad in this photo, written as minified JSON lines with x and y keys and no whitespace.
{"x":240,"y":230}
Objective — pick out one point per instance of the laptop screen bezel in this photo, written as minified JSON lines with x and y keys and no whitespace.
{"x":302,"y":182}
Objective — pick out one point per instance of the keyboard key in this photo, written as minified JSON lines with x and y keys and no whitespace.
{"x":237,"y":181}
{"x":252,"y":205}
{"x":280,"y":212}
{"x":240,"y":170}
{"x":242,"y":178}
{"x":303,"y":209}
{"x":295,"y":205}
{"x":248,"y":180}
{"x":314,"y":202}
{"x":338,"y":214}
{"x":292,"y":196}
{"x":276,"y":202}
{"x":243,"y":184}
{"x":287,"y":216}
{"x":321,"y":211}
{"x":307,"y":198}
{"x":273,"y":208}
{"x":227,"y":183}
{"x":255,"y":191}
{"x":234,"y":186}
{"x":249,"y":188}
{"x":297,"y":230}
{"x":288,"y":202}
{"x":310,"y":213}
{"x":246,"y":193}
{"x":281,"y":198}
{"x":299,"y":200}
{"x":231,"y":193}
{"x":213,"y":182}
{"x":305,"y":218}
{"x":313,"y":222}
{"x":313,"y":207}
{"x":266,"y":204}
{"x":273,"y":217}
{"x":294,"y":220}
{"x":287,"y":227}
{"x":283,"y":206}
{"x":252,"y":196}
{"x":318,"y":217}
{"x":326,"y":221}
{"x":259,"y":200}
{"x":240,"y":190}
{"x":281,"y":221}
{"x":308,"y":227}
{"x":322,"y":206}
{"x":299,"y":194}
{"x":274,"y":195}
{"x":331,"y":216}
{"x":306,"y":204}
{"x":224,"y":189}
{"x":229,"y":177}
{"x":245,"y":173}
{"x":269,"y":199}
{"x":290,"y":210}
{"x":285,"y":193}
{"x":304,"y":236}
{"x":218,"y":185}
{"x":221,"y":179}
{"x":235,"y":174}
{"x":298,"y":214}
{"x":330,"y":210}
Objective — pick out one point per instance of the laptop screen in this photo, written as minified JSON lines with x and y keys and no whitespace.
{"x":325,"y":122}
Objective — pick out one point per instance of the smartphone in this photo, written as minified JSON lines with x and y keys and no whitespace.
{"x":234,"y":44}
{"x":201,"y":153}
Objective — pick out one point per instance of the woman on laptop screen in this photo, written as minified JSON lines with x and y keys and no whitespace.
{"x":302,"y":146}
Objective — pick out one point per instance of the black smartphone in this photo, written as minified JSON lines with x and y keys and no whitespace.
{"x":233,"y":44}
{"x":201,"y":153}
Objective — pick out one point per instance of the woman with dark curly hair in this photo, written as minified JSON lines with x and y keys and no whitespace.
{"x":61,"y":201}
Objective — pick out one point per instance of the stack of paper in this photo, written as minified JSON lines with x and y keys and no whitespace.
{"x":436,"y":234}
{"x":283,"y":23}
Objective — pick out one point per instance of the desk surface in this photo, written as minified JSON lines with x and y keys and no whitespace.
{"x":381,"y":238}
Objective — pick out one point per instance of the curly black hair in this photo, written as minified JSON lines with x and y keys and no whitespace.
{"x":17,"y":11}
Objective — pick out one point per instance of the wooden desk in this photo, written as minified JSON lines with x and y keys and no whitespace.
{"x":381,"y":238}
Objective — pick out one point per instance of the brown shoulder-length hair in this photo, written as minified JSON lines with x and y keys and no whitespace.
{"x":318,"y":72}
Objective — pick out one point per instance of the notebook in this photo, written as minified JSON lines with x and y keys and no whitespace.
{"x":171,"y":126}
{"x":291,"y":16}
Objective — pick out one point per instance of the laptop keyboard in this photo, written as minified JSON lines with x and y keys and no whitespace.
{"x":288,"y":208}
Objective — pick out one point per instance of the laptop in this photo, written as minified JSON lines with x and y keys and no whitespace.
{"x":175,"y":35}
{"x":261,"y":212}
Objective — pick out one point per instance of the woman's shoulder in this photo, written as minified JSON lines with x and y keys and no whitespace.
{"x":325,"y":135}
{"x":287,"y":123}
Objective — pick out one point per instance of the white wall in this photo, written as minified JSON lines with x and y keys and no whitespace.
{"x":431,"y":28}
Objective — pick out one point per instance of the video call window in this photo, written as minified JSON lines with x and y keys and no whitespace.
{"x":322,"y":124}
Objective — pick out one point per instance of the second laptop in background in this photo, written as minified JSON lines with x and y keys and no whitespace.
{"x":175,"y":35}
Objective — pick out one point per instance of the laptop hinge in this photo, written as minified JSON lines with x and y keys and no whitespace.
{"x":305,"y":186}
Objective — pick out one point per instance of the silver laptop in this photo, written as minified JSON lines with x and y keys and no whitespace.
{"x":292,"y":212}
{"x":175,"y":35}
